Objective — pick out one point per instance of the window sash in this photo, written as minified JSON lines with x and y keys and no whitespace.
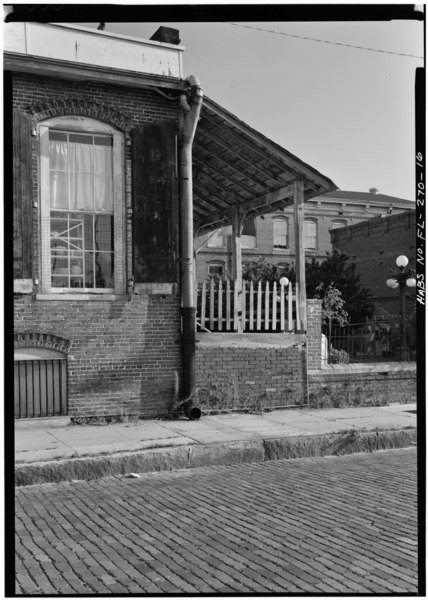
{"x":216,"y":240}
{"x":280,"y":234}
{"x":310,"y":235}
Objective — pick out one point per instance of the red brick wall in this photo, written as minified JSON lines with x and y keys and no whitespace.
{"x":373,"y":246}
{"x":358,"y":385}
{"x":251,"y":378}
{"x":314,"y":333}
{"x":122,"y":354}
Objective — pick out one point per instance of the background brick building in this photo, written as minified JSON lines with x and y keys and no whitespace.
{"x":272,"y":235}
{"x":374,"y":246}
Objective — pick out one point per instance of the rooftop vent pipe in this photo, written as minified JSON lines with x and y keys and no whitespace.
{"x":374,"y":191}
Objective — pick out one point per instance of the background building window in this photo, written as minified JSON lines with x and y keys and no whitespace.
{"x":310,"y":234}
{"x":216,"y":269}
{"x":280,"y":233}
{"x":216,"y":240}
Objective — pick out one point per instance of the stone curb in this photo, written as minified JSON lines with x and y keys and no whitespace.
{"x":204,"y":455}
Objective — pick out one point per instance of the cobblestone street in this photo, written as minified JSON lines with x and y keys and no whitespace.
{"x":342,"y":524}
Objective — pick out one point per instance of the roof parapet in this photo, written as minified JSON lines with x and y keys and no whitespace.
{"x":93,"y":47}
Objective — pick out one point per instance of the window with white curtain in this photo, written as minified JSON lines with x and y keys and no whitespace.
{"x":81,"y":208}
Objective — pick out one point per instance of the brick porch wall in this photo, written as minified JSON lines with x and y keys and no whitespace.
{"x":314,"y":332}
{"x":122,"y":356}
{"x":374,"y":384}
{"x":248,"y":377}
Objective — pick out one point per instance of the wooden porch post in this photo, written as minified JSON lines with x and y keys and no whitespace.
{"x":237,"y":224}
{"x":299,"y":217}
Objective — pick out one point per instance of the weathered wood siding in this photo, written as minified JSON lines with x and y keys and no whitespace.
{"x":155,"y":204}
{"x":22,"y":200}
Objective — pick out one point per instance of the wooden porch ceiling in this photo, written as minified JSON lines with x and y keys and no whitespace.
{"x":234,"y":165}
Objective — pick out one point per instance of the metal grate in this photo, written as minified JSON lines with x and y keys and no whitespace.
{"x":40,"y":388}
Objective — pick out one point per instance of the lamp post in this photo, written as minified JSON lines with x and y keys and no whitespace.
{"x":402,"y":279}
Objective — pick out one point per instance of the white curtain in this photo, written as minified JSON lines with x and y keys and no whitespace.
{"x":80,"y":176}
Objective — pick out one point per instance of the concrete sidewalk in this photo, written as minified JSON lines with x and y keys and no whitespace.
{"x":54,"y":450}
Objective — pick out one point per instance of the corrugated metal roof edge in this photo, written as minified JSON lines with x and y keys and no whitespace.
{"x":209,"y":103}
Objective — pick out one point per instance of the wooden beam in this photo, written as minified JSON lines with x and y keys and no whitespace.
{"x":267,"y":199}
{"x":204,"y":133}
{"x":299,"y":218}
{"x":312,"y":177}
{"x":237,"y":224}
{"x":69,"y":70}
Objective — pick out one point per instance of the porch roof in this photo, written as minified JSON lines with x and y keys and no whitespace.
{"x":235,"y":165}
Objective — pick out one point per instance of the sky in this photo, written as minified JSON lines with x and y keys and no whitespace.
{"x":347,"y":112}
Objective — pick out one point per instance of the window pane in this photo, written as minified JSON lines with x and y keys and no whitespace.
{"x":280,"y":233}
{"x":310,"y":234}
{"x":104,"y":270}
{"x":58,"y":155}
{"x":81,"y":191}
{"x":215,"y":270}
{"x":104,"y":232}
{"x":103,"y":193}
{"x":216,"y":240}
{"x":57,"y":135}
{"x":59,"y":190}
{"x":81,"y":158}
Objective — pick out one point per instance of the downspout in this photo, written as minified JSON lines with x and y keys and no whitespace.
{"x":191,"y":103}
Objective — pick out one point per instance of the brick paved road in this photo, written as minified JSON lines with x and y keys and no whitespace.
{"x":321,"y":525}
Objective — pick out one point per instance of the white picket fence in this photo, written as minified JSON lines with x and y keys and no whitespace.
{"x":264,"y":307}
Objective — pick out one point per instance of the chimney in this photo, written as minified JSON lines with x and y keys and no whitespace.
{"x":374,"y":191}
{"x":168,"y":35}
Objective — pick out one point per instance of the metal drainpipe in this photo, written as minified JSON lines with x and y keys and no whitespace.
{"x":191,"y":104}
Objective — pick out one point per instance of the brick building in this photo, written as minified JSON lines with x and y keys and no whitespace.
{"x":272,"y":236}
{"x":103,"y":224}
{"x":374,"y":246}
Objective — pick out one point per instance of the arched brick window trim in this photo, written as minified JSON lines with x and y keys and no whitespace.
{"x":82,"y":108}
{"x":30,"y":339}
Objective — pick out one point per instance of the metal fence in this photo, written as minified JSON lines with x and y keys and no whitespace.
{"x":40,"y":388}
{"x":372,"y":341}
